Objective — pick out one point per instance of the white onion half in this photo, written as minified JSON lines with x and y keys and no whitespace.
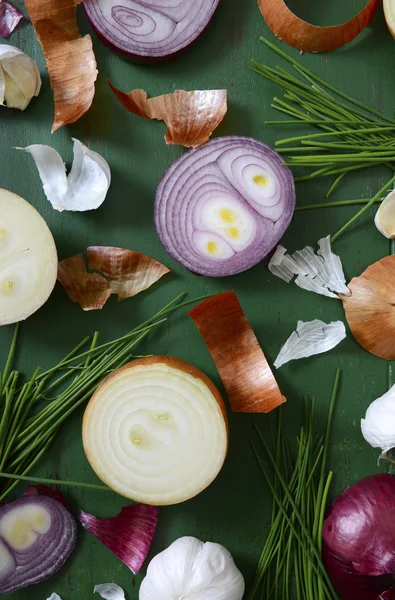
{"x":28,"y":259}
{"x":155,"y":431}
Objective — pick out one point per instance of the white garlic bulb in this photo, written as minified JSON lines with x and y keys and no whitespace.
{"x":378,"y":426}
{"x":19,"y":78}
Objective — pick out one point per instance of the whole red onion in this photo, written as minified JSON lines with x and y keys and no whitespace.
{"x":359,"y":540}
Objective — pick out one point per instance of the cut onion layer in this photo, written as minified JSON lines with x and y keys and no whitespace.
{"x":149,"y":30}
{"x":28,"y":259}
{"x":245,"y":373}
{"x":37,"y":536}
{"x":311,"y":38}
{"x":220,"y":209}
{"x":155,"y":431}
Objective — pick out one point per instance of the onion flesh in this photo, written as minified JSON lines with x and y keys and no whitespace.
{"x":28,"y":259}
{"x":37,"y":536}
{"x":147,"y":30}
{"x":155,"y":431}
{"x":221,"y":208}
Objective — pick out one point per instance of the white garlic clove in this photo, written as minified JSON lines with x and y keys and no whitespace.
{"x":378,"y":426}
{"x":385,"y":216}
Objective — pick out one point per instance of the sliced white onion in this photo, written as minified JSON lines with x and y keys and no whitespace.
{"x":28,"y":259}
{"x":155,"y":431}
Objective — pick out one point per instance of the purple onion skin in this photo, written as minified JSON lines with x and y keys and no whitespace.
{"x":10,"y":16}
{"x":48,"y":553}
{"x":359,"y":540}
{"x":143,"y":59}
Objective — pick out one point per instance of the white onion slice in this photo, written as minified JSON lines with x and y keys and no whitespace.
{"x":155,"y":431}
{"x":28,"y":259}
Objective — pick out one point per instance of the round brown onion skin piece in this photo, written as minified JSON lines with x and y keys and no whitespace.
{"x":370,"y":310}
{"x":137,"y":58}
{"x":311,"y":38}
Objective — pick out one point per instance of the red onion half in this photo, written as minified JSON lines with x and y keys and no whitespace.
{"x":149,"y":29}
{"x":37,"y":536}
{"x":221,"y":208}
{"x":359,"y":540}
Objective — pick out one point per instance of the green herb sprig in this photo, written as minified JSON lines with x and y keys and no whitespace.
{"x":291,"y":563}
{"x":31,"y":413}
{"x":355,"y":136}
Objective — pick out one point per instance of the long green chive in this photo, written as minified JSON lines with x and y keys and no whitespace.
{"x":291,"y":563}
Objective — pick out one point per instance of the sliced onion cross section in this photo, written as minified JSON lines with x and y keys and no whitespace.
{"x":221,"y":208}
{"x":28,"y":259}
{"x":148,"y":30}
{"x":155,"y":431}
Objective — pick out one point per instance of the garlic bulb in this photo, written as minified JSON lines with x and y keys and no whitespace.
{"x":190,"y":568}
{"x":378,"y":426}
{"x":19,"y":78}
{"x":385,"y":216}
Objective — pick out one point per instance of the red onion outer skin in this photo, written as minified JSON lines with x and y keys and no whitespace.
{"x":359,"y":540}
{"x":143,"y":57}
{"x":48,"y":554}
{"x":214,"y":171}
{"x":10,"y":16}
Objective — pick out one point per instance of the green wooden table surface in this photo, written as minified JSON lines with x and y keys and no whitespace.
{"x":235,"y":510}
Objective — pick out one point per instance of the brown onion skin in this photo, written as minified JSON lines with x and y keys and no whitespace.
{"x":146,"y":60}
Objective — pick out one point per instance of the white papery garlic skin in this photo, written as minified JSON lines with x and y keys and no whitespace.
{"x":385,"y":216}
{"x":109,"y":591}
{"x":28,"y":259}
{"x":190,"y":568}
{"x":378,"y":426}
{"x":19,"y":78}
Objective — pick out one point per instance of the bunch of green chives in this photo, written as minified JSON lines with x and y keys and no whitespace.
{"x":30,"y":419}
{"x":291,"y":564}
{"x":354,"y":136}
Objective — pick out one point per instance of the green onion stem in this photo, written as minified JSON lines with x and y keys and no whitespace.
{"x":41,"y":480}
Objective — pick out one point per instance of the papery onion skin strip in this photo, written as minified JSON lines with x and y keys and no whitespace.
{"x":47,"y":553}
{"x":191,"y":117}
{"x":185,"y":396}
{"x":128,"y":535}
{"x":245,"y":373}
{"x":10,"y":16}
{"x":198,"y":12}
{"x":217,"y":172}
{"x":311,"y":38}
{"x":359,"y":539}
{"x":70,"y":59}
{"x":90,"y":290}
{"x":370,"y":310}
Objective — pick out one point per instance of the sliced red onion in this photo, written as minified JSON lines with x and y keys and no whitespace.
{"x":359,"y":540}
{"x":221,"y":208}
{"x":149,"y":29}
{"x":37,"y":536}
{"x":128,"y":535}
{"x":10,"y":16}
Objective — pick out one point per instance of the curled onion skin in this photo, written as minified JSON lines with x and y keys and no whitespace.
{"x":220,"y":209}
{"x":41,"y":549}
{"x":155,"y":431}
{"x":359,"y":539}
{"x":167,"y":27}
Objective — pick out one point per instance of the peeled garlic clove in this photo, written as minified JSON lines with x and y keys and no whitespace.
{"x":378,"y":426}
{"x":28,"y":259}
{"x":19,"y":78}
{"x":385,"y":216}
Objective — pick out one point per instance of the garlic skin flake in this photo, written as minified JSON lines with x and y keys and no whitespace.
{"x":109,"y":591}
{"x":321,"y":273}
{"x":385,"y":216}
{"x":86,"y":186}
{"x":309,"y":339}
{"x":378,"y":426}
{"x":19,"y":78}
{"x":54,"y":597}
{"x":190,"y":568}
